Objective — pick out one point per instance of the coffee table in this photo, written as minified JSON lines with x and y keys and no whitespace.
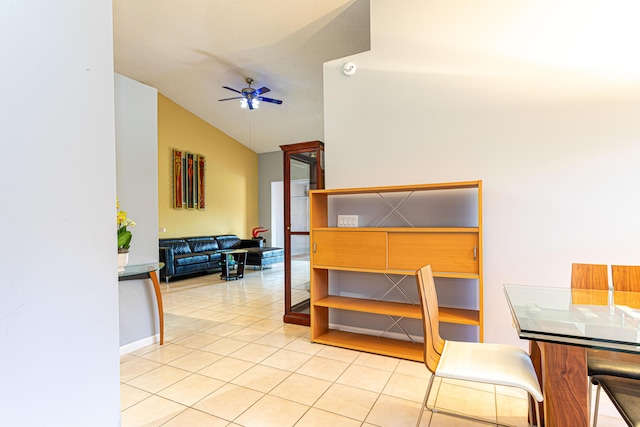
{"x":240,"y":258}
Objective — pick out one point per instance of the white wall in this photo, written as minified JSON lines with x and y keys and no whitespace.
{"x":270,"y":171}
{"x":440,"y":98}
{"x":59,"y":361}
{"x":137,"y":163}
{"x":136,"y":119}
{"x":277,"y":214}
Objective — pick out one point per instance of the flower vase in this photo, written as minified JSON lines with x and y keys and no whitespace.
{"x":123,"y":260}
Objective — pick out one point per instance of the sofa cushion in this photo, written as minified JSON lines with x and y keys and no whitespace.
{"x":264,"y":256}
{"x":179,"y":246}
{"x":229,"y":241}
{"x":187,"y":259}
{"x":202,"y":244}
{"x":266,"y":252}
{"x":213,"y":256}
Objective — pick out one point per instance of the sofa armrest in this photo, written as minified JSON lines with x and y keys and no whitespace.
{"x":251,"y":243}
{"x":166,"y":256}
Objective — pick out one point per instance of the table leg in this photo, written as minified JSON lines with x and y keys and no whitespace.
{"x":240,"y":261}
{"x":153,"y":275}
{"x":565,"y":385}
{"x":224,"y":263}
{"x":536,"y":358}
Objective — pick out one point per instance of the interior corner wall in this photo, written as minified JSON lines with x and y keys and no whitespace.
{"x":59,"y":359}
{"x":231,"y":181}
{"x":559,"y":173}
{"x":136,"y":107}
{"x":136,"y":124}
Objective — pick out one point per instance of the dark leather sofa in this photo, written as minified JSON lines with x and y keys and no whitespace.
{"x":188,"y":255}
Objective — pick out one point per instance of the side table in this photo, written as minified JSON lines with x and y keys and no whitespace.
{"x":240,"y":257}
{"x":147,"y":271}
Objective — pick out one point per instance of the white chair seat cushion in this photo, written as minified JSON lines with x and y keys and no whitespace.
{"x":500,"y":364}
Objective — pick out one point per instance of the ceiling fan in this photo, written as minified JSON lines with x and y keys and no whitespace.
{"x":251,"y":97}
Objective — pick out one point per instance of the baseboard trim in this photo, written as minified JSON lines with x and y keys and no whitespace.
{"x":128,"y":348}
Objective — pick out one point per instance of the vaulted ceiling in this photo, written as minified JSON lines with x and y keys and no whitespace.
{"x":189,"y":49}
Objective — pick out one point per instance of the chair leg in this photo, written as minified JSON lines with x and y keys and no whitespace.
{"x":538,"y":420}
{"x":595,"y":411}
{"x":533,"y":421}
{"x":424,"y":402}
{"x":464,"y":417}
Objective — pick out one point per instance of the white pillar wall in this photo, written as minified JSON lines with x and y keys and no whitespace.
{"x":136,"y":119}
{"x":59,"y":359}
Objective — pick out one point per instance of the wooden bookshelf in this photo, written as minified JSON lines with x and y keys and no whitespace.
{"x":453,"y":251}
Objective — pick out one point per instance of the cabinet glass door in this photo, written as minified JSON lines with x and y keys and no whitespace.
{"x":303,"y":171}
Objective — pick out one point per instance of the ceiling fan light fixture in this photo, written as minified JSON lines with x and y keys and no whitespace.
{"x":244,"y":103}
{"x":250,"y":97}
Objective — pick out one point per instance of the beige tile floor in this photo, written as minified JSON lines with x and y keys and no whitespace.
{"x":228,"y":360}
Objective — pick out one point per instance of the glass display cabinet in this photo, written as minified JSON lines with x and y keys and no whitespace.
{"x":303,"y":171}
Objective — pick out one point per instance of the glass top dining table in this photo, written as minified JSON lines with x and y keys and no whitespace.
{"x":561,"y":324}
{"x":588,"y":318}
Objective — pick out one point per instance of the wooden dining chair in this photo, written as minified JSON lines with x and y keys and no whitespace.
{"x":624,"y":393}
{"x":590,"y":277}
{"x":499,"y":364}
{"x":626,"y":278}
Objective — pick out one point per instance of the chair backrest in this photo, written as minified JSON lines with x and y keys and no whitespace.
{"x":433,"y":343}
{"x":589,"y":276}
{"x":586,"y":278}
{"x":626,"y":278}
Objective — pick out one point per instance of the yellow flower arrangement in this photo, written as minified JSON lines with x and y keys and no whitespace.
{"x":124,"y":235}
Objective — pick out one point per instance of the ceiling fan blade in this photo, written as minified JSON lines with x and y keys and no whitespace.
{"x":230,"y":88}
{"x":263,"y":89}
{"x":271,"y":100}
{"x":227,"y":99}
